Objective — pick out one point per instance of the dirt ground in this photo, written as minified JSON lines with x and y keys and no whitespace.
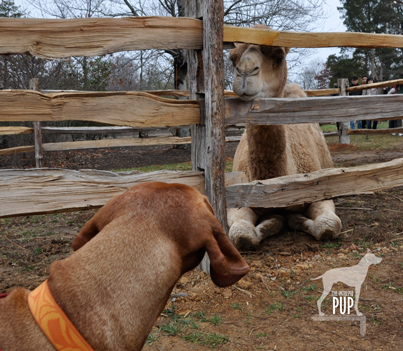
{"x":271,"y":308}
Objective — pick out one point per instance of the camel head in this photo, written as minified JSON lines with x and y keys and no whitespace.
{"x":260,"y":71}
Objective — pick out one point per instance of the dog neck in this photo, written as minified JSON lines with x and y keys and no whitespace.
{"x":109,"y":300}
{"x":53,"y":321}
{"x":363,"y":262}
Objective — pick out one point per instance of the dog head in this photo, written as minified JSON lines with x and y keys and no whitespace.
{"x":182,"y":215}
{"x":370,"y":258}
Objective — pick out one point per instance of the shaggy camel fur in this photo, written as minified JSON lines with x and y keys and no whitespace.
{"x":130,"y":256}
{"x":272,"y":151}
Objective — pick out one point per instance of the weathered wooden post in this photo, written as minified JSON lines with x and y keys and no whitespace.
{"x":206,"y":82}
{"x":344,"y":138}
{"x":34,"y":85}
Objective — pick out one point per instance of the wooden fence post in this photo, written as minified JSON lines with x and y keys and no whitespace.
{"x":206,"y":79}
{"x":34,"y":85}
{"x":344,"y":138}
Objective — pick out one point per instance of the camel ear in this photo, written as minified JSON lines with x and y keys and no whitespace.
{"x":236,"y":54}
{"x":226,"y":264}
{"x":275,"y":53}
{"x":234,"y":57}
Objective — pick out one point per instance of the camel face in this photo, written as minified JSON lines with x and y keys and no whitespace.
{"x":268,"y":151}
{"x":260,"y":71}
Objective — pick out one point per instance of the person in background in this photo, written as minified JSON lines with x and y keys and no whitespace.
{"x":372,"y":91}
{"x":354,"y":83}
{"x":364,"y":79}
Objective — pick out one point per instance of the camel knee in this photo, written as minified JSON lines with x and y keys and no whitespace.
{"x":243,"y":213}
{"x":327,"y":226}
{"x":243,"y":235}
{"x":324,"y":227}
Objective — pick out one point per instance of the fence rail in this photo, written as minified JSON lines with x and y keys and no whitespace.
{"x":160,"y":112}
{"x":133,"y":109}
{"x":374,"y":131}
{"x":386,"y":84}
{"x":276,"y":111}
{"x":58,"y":38}
{"x":40,"y":191}
{"x":143,"y":110}
{"x":97,"y":144}
{"x":325,"y":184}
{"x":310,"y":40}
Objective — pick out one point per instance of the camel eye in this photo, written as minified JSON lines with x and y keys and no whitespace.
{"x":278,"y":62}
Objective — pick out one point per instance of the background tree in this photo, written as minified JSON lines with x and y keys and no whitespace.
{"x":344,"y":66}
{"x":307,"y":78}
{"x":315,"y":75}
{"x":323,"y":78}
{"x":370,"y":16}
{"x":171,"y":65}
{"x":78,"y":73}
{"x":298,"y":15}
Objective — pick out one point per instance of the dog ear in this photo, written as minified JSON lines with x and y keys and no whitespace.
{"x":89,"y":230}
{"x":103,"y":217}
{"x":226,"y":264}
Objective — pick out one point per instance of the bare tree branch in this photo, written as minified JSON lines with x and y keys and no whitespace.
{"x":231,"y":7}
{"x":134,"y":12}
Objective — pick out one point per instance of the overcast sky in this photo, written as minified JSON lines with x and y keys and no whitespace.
{"x":333,"y":24}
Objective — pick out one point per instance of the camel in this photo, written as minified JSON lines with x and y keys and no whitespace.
{"x":276,"y":150}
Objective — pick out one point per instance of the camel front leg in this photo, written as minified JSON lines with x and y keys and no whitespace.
{"x":319,"y":220}
{"x":242,"y":231}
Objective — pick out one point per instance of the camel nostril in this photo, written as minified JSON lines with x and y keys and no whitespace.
{"x":255,"y":71}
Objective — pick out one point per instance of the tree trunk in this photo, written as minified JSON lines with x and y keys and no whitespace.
{"x":373,"y":67}
{"x":181,"y":70}
{"x":180,"y":65}
{"x":34,"y":85}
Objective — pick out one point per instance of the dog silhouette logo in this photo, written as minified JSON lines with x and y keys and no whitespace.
{"x":351,"y":276}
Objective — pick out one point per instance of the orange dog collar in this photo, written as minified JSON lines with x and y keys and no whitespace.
{"x":53,"y":321}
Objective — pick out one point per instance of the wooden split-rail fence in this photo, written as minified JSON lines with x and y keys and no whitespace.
{"x":39,"y":191}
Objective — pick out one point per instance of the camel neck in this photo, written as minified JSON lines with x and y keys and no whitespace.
{"x":267,"y":149}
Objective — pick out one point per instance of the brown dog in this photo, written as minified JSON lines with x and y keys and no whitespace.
{"x":113,"y":288}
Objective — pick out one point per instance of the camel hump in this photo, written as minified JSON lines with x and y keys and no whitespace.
{"x":293,"y":90}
